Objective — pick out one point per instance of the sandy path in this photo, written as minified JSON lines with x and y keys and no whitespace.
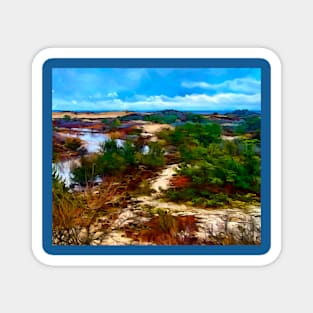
{"x":212,"y":223}
{"x":162,"y":182}
{"x":215,"y":222}
{"x":230,"y":138}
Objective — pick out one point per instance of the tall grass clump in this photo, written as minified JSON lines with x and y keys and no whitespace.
{"x":66,"y":207}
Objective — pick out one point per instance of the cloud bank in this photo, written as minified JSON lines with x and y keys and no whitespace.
{"x":156,"y":89}
{"x":196,"y":102}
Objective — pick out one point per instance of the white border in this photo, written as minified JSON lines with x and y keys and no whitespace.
{"x":156,"y":260}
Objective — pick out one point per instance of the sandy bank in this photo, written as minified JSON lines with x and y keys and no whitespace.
{"x":154,"y":127}
{"x":89,"y":115}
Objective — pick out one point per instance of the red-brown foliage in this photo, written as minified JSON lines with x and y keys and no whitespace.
{"x":180,"y":181}
{"x":167,"y":230}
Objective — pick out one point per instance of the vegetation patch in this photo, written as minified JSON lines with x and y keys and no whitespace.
{"x":166,"y":229}
{"x":211,"y":172}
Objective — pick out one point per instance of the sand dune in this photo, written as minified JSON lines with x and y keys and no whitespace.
{"x":153,"y":128}
{"x":90,"y":115}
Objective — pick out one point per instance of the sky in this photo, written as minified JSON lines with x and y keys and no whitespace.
{"x":152,"y":89}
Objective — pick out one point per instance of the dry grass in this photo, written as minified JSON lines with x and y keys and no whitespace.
{"x":166,"y":229}
{"x":67,"y":210}
{"x":109,"y":194}
{"x":70,"y":209}
{"x":117,"y":134}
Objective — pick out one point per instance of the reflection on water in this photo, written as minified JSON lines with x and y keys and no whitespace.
{"x":91,"y":141}
{"x":145,"y":149}
{"x":64,"y":168}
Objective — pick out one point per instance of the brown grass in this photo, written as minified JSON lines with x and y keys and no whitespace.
{"x":166,"y":229}
{"x":81,"y":209}
{"x":67,"y":213}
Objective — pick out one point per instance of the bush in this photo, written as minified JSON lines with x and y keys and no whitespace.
{"x":161,"y":119}
{"x":196,"y":118}
{"x":214,"y":170}
{"x":112,"y":160}
{"x":67,"y":117}
{"x":240,"y":129}
{"x":87,"y":171}
{"x":155,"y":156}
{"x":253,"y":123}
{"x":110,"y":164}
{"x":195,"y":133}
{"x":72,"y":143}
{"x":113,"y":124}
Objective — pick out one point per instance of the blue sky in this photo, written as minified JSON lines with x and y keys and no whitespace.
{"x":115,"y":89}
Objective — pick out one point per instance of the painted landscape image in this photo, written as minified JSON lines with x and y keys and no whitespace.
{"x":156,"y":156}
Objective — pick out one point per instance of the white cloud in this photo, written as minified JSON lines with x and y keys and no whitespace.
{"x":190,"y":85}
{"x":112,"y":94}
{"x":222,"y":101}
{"x":247,"y":85}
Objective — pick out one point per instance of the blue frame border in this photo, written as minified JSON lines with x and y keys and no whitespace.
{"x":156,"y":63}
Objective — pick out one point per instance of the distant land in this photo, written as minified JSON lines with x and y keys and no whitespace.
{"x":153,"y":111}
{"x":90,"y":114}
{"x":58,"y":114}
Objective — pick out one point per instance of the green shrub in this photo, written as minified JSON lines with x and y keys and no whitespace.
{"x":240,"y":129}
{"x":191,"y":133}
{"x":216,"y":169}
{"x":87,"y":170}
{"x":155,"y":156}
{"x":72,"y":143}
{"x":112,"y":160}
{"x":67,"y":117}
{"x":113,"y":124}
{"x":160,"y":118}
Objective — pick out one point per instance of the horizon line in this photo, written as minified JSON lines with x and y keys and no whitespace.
{"x":140,"y":110}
